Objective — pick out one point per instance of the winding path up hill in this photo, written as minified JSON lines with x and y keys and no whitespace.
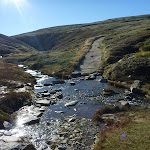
{"x":90,"y":63}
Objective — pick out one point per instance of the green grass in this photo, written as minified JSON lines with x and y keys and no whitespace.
{"x":123,"y":36}
{"x":60,"y":49}
{"x":145,"y":48}
{"x":146,"y":89}
{"x":3,"y":116}
{"x":142,"y":54}
{"x":137,"y":130}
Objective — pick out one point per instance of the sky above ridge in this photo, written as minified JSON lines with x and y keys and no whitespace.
{"x":20,"y":16}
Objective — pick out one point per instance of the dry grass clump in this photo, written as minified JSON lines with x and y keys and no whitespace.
{"x":119,"y":84}
{"x":13,"y":101}
{"x":142,"y":54}
{"x":11,"y":72}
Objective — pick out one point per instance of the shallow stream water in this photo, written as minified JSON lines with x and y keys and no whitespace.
{"x":89,"y":95}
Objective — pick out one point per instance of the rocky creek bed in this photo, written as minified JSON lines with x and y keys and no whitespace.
{"x":60,"y":117}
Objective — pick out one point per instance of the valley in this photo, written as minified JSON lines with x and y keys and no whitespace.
{"x":45,"y":71}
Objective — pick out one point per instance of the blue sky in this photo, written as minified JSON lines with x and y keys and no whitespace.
{"x":20,"y":16}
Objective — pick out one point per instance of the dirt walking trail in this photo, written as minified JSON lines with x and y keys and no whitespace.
{"x":90,"y":63}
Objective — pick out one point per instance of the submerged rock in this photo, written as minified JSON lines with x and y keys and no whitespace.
{"x":72,"y":103}
{"x":58,"y":82}
{"x":48,"y":84}
{"x":52,"y":91}
{"x":59,"y":95}
{"x":76,"y":74}
{"x":108,"y":91}
{"x":104,"y":80}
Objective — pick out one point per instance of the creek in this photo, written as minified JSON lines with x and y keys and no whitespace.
{"x":63,"y":127}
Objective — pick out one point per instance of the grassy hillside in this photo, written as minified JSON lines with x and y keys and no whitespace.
{"x":61,"y":48}
{"x":10,"y":46}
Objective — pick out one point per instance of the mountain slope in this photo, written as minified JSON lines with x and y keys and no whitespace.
{"x":10,"y":45}
{"x":62,"y":37}
{"x":61,"y":49}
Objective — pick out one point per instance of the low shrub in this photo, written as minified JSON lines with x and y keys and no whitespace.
{"x":13,"y":101}
{"x":145,"y":48}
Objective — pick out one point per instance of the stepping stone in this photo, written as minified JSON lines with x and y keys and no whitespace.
{"x":72,"y":103}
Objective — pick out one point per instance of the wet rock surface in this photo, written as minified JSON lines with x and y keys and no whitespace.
{"x":73,"y":133}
